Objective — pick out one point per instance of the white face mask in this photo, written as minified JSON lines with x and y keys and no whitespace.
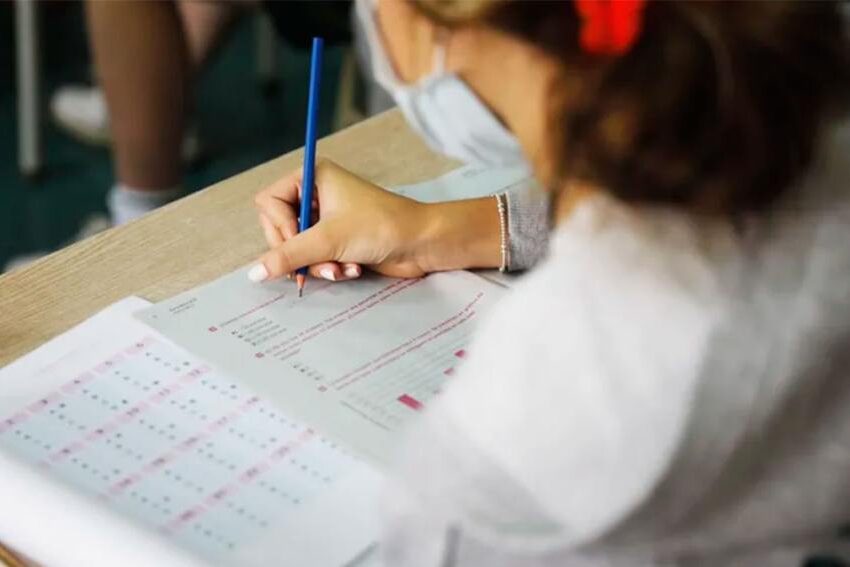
{"x":442,"y":108}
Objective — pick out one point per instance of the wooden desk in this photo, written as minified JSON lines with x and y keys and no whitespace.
{"x":188,"y":242}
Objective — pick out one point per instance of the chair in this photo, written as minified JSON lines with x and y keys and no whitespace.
{"x":28,"y":87}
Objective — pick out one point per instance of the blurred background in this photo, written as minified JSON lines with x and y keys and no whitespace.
{"x":249,"y":106}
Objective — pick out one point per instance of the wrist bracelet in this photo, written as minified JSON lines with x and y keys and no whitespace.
{"x":501,"y":204}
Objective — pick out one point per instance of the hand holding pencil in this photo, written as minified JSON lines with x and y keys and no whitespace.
{"x":363,"y":224}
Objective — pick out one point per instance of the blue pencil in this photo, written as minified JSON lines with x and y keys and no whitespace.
{"x":307,"y":179}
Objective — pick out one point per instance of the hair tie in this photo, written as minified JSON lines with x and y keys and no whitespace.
{"x":609,"y":27}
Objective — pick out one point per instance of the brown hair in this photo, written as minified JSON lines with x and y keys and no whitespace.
{"x":717,"y":107}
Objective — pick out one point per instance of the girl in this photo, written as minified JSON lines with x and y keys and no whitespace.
{"x":669,"y":386}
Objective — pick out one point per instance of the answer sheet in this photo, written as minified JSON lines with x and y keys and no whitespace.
{"x":357,"y":360}
{"x":118,"y":447}
{"x":469,"y":182}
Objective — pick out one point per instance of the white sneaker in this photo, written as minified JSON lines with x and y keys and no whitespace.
{"x":81,"y":111}
{"x":92,"y":225}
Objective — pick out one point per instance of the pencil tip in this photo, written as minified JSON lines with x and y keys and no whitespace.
{"x":299,"y":281}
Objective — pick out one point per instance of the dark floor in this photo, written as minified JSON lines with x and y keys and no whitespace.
{"x":240,"y":127}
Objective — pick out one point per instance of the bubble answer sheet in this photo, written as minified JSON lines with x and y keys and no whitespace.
{"x":120,"y":448}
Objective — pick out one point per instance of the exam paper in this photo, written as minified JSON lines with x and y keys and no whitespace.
{"x":357,"y":360}
{"x":117,"y":447}
{"x":469,"y":182}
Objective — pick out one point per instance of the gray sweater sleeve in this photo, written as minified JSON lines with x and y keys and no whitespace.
{"x":528,"y":224}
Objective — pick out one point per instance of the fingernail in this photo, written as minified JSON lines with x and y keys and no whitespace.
{"x":352,"y":271}
{"x":258,"y":273}
{"x":328,"y":274}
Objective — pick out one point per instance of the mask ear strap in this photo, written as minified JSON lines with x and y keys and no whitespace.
{"x":441,"y":38}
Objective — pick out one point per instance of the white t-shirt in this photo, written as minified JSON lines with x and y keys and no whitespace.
{"x":661,"y":390}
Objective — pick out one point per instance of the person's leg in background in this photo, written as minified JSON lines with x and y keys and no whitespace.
{"x":147,"y":55}
{"x":142,"y":63}
{"x":148,"y":58}
{"x":206,"y":23}
{"x":81,"y":110}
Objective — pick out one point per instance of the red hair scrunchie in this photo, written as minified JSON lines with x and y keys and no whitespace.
{"x":609,"y":27}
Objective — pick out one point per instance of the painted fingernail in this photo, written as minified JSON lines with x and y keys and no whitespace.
{"x":258,"y":273}
{"x":352,"y":271}
{"x":328,"y":274}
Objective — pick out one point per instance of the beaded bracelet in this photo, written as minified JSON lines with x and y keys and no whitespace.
{"x":501,"y":203}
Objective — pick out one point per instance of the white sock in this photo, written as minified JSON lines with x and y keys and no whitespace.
{"x":126,"y":203}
